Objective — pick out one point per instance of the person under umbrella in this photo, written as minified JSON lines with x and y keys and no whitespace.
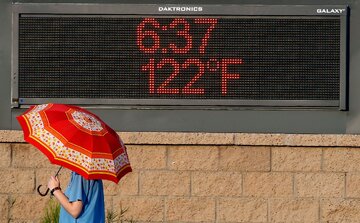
{"x":77,"y":139}
{"x":83,"y":200}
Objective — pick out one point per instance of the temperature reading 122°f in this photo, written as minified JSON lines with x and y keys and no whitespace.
{"x":211,"y":65}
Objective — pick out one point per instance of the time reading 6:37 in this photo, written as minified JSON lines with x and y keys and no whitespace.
{"x":182,"y":28}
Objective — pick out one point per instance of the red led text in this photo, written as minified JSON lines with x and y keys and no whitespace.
{"x":188,"y":88}
{"x":149,"y":29}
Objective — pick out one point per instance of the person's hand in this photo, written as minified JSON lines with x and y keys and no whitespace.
{"x":53,"y":182}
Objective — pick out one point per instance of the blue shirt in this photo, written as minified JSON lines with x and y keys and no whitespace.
{"x":91,"y":193}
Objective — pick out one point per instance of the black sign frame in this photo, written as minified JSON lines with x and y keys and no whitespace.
{"x":136,"y":10}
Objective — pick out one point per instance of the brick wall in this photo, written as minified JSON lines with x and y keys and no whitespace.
{"x":206,"y":177}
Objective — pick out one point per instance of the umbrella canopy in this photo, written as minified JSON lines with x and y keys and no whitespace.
{"x":77,"y":139}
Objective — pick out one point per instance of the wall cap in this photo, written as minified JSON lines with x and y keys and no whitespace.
{"x":190,"y":138}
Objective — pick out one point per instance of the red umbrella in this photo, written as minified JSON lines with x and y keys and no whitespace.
{"x":77,"y":139}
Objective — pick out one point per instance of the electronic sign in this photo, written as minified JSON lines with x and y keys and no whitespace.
{"x":206,"y":55}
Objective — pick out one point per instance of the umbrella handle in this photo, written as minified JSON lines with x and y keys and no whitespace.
{"x":47,"y":191}
{"x":42,"y":194}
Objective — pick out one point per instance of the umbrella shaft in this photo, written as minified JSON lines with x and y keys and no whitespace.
{"x":57,"y":173}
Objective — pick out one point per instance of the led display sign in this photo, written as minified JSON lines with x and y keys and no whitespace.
{"x":181,"y":55}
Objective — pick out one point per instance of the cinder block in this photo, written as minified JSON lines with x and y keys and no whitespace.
{"x":268,"y":184}
{"x":216,"y":184}
{"x":245,"y":158}
{"x":242,"y":210}
{"x":193,"y":158}
{"x":147,"y":157}
{"x":4,"y":208}
{"x":253,"y":139}
{"x":26,"y":155}
{"x":296,"y":159}
{"x":5,"y":154}
{"x":311,"y":140}
{"x":17,"y":181}
{"x":28,"y":207}
{"x":190,"y":209}
{"x":177,"y":138}
{"x":209,"y":138}
{"x":128,"y":185}
{"x":353,"y":185}
{"x":176,"y":183}
{"x":108,"y":203}
{"x":340,"y":210}
{"x":288,"y":210}
{"x":159,"y":138}
{"x":145,"y":209}
{"x":11,"y":136}
{"x":341,"y":159}
{"x":320,"y":185}
{"x":348,"y":140}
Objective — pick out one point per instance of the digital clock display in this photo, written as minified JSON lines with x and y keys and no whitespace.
{"x":180,"y":58}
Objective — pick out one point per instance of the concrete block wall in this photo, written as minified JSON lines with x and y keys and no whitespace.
{"x":206,"y":177}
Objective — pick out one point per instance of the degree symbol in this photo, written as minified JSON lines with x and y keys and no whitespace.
{"x":212,"y":64}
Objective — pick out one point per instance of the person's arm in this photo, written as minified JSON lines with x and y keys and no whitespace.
{"x":73,"y":208}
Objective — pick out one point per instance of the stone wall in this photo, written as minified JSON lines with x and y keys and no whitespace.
{"x":206,"y":177}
